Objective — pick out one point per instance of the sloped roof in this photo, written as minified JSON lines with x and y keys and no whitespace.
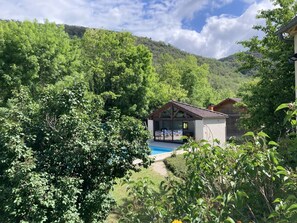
{"x":196,"y":112}
{"x":234,"y":100}
{"x":286,"y":28}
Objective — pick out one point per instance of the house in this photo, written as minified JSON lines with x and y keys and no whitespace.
{"x":175,"y":119}
{"x":288,"y":33}
{"x":228,"y":107}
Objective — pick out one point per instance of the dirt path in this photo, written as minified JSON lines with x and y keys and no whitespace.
{"x":160,"y":168}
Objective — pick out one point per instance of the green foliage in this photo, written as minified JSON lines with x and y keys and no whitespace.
{"x":276,"y":75}
{"x":33,"y":55}
{"x":145,"y":205}
{"x":177,"y":165}
{"x":288,"y":145}
{"x":236,"y":183}
{"x":59,"y":160}
{"x":224,"y":77}
{"x":61,"y":150}
{"x":289,"y":152}
{"x":118,"y":70}
{"x":183,"y":80}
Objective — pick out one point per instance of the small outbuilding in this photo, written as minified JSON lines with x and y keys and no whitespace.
{"x":176,"y":119}
{"x":228,"y":106}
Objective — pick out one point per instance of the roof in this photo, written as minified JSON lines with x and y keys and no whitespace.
{"x":233,"y":100}
{"x":285,"y":28}
{"x":199,"y":113}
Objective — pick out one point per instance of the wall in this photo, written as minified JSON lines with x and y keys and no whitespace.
{"x":150,"y":127}
{"x":214,"y":129}
{"x":198,"y":129}
{"x":232,"y":121}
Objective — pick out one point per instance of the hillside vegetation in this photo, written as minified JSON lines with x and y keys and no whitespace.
{"x":223,"y":75}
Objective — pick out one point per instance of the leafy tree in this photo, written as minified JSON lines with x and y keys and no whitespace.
{"x":169,"y":80}
{"x":59,"y":160}
{"x":244,"y":183}
{"x":276,"y":75}
{"x":33,"y":55}
{"x":183,"y":80}
{"x":194,"y":80}
{"x":60,"y":150}
{"x":118,"y":70}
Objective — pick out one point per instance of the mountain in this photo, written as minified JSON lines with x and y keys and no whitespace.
{"x":224,"y":76}
{"x":224,"y":73}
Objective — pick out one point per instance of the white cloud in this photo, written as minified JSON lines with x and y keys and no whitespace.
{"x":160,"y":20}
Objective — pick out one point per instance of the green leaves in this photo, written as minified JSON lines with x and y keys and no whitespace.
{"x":33,"y":55}
{"x":61,"y":149}
{"x":119,"y":70}
{"x":267,"y":57}
{"x":237,"y":183}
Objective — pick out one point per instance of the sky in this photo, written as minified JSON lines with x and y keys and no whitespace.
{"x":210,"y":28}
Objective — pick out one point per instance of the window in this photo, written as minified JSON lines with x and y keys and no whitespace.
{"x":185,"y":125}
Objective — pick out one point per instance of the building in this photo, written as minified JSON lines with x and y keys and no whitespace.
{"x":288,"y":33}
{"x":175,"y":119}
{"x":228,"y":107}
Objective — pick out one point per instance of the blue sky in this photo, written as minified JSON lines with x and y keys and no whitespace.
{"x":208,"y":28}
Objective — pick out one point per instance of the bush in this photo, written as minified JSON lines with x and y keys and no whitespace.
{"x":177,"y":165}
{"x":244,"y":183}
{"x":59,"y":159}
{"x":288,"y":150}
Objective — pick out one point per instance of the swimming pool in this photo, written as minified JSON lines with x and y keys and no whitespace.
{"x":159,"y":150}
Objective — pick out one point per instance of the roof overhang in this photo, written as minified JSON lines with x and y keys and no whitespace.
{"x":169,"y":104}
{"x":201,"y":114}
{"x":287,"y":31}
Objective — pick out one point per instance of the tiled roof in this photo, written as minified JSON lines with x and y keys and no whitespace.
{"x":198,"y":113}
{"x":236,"y":100}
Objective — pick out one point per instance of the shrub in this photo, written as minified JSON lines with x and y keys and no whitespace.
{"x":177,"y":165}
{"x":236,"y":183}
{"x":59,"y":159}
{"x":288,"y":150}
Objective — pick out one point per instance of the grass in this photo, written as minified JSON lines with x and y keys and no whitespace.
{"x":120,"y":191}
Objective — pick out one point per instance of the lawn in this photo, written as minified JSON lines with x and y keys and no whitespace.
{"x":175,"y":164}
{"x":120,"y":193}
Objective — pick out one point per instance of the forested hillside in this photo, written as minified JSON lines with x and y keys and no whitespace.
{"x":224,"y":75}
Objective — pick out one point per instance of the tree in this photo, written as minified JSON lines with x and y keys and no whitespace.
{"x":194,"y":79}
{"x":59,"y":160}
{"x":60,"y":150}
{"x":119,"y":70}
{"x":269,"y":58}
{"x":33,"y":55}
{"x":234,"y":183}
{"x":183,"y":80}
{"x":168,"y":85}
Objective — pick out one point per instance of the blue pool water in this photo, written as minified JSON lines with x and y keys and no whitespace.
{"x":159,"y":150}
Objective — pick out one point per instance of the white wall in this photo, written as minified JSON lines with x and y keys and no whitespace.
{"x":150,"y":127}
{"x":214,"y":129}
{"x":198,"y":129}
